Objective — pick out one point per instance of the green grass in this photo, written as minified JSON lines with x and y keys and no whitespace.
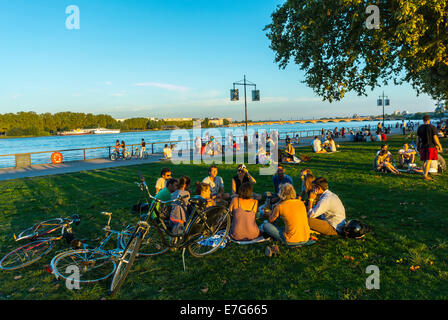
{"x":409,"y":218}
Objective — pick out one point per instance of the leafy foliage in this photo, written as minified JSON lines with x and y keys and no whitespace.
{"x":329,"y":40}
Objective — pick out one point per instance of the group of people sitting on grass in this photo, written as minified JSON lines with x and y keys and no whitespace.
{"x":428,"y":147}
{"x":315,"y":208}
{"x":329,"y":145}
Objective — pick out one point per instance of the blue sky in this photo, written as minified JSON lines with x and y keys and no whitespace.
{"x":158,"y":58}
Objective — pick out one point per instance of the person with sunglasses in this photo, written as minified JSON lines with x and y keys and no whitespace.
{"x":165,"y":174}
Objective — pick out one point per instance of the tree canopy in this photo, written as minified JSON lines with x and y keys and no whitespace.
{"x":330,"y":41}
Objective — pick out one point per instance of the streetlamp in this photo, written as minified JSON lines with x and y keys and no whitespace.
{"x":234,"y":95}
{"x":382,"y":101}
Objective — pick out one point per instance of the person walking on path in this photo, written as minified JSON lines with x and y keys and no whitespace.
{"x":428,"y":144}
{"x":142,"y":148}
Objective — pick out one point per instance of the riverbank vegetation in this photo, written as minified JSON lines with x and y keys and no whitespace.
{"x":33,"y":124}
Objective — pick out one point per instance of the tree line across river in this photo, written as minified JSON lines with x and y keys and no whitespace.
{"x":33,"y":124}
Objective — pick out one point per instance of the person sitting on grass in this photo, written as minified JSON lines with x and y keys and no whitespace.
{"x":280,"y":178}
{"x":243,"y":208}
{"x":289,"y":152}
{"x":165,"y":194}
{"x":328,"y":216}
{"x":308,"y":187}
{"x":382,"y":163}
{"x":178,"y":215}
{"x":331,"y":145}
{"x":216,"y":184}
{"x":406,"y":155}
{"x":165,"y":174}
{"x":303,"y":174}
{"x":242,"y":176}
{"x":203,"y":190}
{"x":317,"y":145}
{"x":293,"y":213}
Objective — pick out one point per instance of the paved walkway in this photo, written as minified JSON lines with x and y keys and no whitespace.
{"x":72,"y":166}
{"x":76,"y":166}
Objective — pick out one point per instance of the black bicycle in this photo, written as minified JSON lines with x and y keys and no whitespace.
{"x":152,"y":234}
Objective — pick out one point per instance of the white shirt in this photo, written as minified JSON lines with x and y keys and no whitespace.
{"x":317,"y":145}
{"x":331,"y":207}
{"x":215,"y":186}
{"x":333,"y":146}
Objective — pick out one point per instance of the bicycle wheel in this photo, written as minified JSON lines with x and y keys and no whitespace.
{"x":125,"y":263}
{"x":217,"y":219}
{"x":26,"y":255}
{"x":41,"y":228}
{"x":93,"y":265}
{"x":155,"y":242}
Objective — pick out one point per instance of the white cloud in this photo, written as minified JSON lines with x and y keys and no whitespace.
{"x":167,"y":86}
{"x":108,"y":83}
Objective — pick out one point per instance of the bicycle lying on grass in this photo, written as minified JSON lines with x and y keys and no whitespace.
{"x":94,"y":263}
{"x":152,"y":236}
{"x":41,"y":242}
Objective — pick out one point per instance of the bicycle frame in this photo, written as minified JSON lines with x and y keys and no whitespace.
{"x":144,"y":225}
{"x":66,"y":225}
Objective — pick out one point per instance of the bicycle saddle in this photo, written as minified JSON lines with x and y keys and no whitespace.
{"x":107,"y":213}
{"x":198,"y":200}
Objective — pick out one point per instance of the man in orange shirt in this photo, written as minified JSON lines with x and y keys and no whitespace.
{"x":294,"y":215}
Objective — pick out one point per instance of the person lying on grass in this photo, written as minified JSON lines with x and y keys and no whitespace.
{"x":203,"y":190}
{"x":328,"y":216}
{"x":383,"y":164}
{"x":293,"y":213}
{"x":243,"y":208}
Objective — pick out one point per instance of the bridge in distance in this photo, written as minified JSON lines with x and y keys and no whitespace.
{"x":280,"y":122}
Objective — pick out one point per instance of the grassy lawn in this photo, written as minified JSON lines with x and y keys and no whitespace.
{"x":409,"y":218}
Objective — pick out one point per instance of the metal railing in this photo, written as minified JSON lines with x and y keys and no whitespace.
{"x":82,"y":154}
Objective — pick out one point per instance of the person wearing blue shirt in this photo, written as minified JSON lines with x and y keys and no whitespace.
{"x":281,"y":178}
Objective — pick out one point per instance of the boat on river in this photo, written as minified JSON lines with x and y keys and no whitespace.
{"x":77,"y":132}
{"x":106,"y":131}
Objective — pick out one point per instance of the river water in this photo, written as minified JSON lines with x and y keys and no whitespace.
{"x":52,"y":143}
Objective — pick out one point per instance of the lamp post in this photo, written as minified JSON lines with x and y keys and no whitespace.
{"x":234,"y":96}
{"x":382,"y":101}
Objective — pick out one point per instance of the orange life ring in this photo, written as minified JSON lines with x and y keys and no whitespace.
{"x":56,"y":157}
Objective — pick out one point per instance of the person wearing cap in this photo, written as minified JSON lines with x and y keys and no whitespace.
{"x":243,"y":176}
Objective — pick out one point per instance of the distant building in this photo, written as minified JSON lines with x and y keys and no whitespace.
{"x":396,"y":113}
{"x":405,"y":113}
{"x":219,"y":121}
{"x":177,"y":119}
